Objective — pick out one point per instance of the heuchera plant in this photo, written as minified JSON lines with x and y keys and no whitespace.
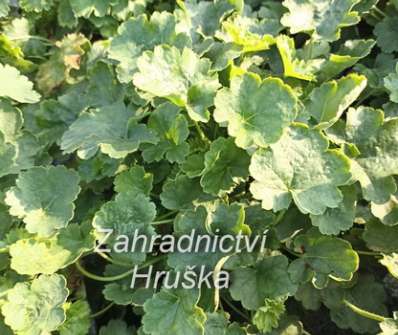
{"x":262,"y":117}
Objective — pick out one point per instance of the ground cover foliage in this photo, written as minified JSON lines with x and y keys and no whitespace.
{"x":224,"y":117}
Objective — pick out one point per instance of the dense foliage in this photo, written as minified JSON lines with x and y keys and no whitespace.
{"x":223,"y":117}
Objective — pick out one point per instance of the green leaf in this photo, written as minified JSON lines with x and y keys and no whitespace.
{"x":255,"y":111}
{"x":216,"y":323}
{"x":112,"y":129}
{"x":380,"y":237}
{"x":198,"y":258}
{"x":27,"y":149}
{"x":102,"y":88}
{"x":181,"y":193}
{"x":328,"y":102}
{"x":228,"y":219}
{"x":66,"y":16}
{"x":77,"y":238}
{"x":327,"y":255}
{"x":48,"y":121}
{"x":34,"y":256}
{"x":244,"y":33}
{"x":293,"y":66}
{"x":365,"y":6}
{"x":309,"y":296}
{"x":191,"y":219}
{"x":391,"y":84}
{"x":138,"y":34}
{"x":171,"y":127}
{"x":336,"y":220}
{"x":181,"y":77}
{"x":391,"y":263}
{"x":17,"y":86}
{"x":377,"y":143}
{"x":119,"y":293}
{"x":36,"y":5}
{"x":198,"y":18}
{"x":385,"y":32}
{"x":36,"y":308}
{"x":21,"y":146}
{"x":274,"y":120}
{"x":118,"y":327}
{"x":66,"y":57}
{"x":321,"y":18}
{"x":268,"y":278}
{"x":267,"y":316}
{"x":43,"y":198}
{"x":225,"y":166}
{"x":98,"y":167}
{"x":289,"y":325}
{"x":4,"y":7}
{"x":11,"y":121}
{"x":383,"y":65}
{"x":18,"y":30}
{"x":194,"y":165}
{"x":6,"y":220}
{"x":129,"y":213}
{"x":222,"y":54}
{"x":357,"y":294}
{"x":387,"y":212}
{"x":134,"y":180}
{"x":258,"y":219}
{"x":270,"y":13}
{"x":300,"y":167}
{"x":84,"y":8}
{"x":174,"y":313}
{"x":348,"y":55}
{"x":77,"y":319}
{"x":7,"y":157}
{"x":12,"y":54}
{"x":235,"y":329}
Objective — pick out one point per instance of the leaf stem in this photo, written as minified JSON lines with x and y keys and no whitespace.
{"x":368,"y":253}
{"x":201,"y":134}
{"x":32,"y":37}
{"x":364,"y":313}
{"x":111,"y":260}
{"x":310,"y":48}
{"x":235,"y":309}
{"x":102,"y":311}
{"x":101,"y":278}
{"x":365,"y":96}
{"x":216,"y":274}
{"x":375,"y":16}
{"x":35,"y":57}
{"x":280,"y":216}
{"x":165,"y":216}
{"x":225,"y":198}
{"x":296,"y":254}
{"x":156,"y":223}
{"x":117,"y":277}
{"x":215,"y":131}
{"x":4,"y":250}
{"x":378,"y":11}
